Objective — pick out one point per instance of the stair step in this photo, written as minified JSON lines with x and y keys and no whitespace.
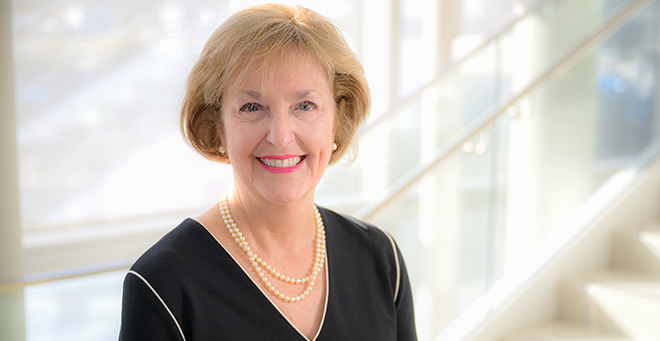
{"x":565,"y":332}
{"x":614,"y":301}
{"x":637,"y":249}
{"x":616,"y":305}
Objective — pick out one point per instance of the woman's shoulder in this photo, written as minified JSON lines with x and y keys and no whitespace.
{"x":354,"y":233}
{"x":365,"y":257}
{"x":351,"y":224}
{"x":175,"y":251}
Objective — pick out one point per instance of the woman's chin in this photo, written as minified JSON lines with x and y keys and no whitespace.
{"x":278,"y":188}
{"x":287,"y":197}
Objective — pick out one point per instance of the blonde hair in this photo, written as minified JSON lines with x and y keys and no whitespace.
{"x":261,"y":35}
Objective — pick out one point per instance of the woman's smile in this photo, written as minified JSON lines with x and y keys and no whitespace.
{"x":281,"y":163}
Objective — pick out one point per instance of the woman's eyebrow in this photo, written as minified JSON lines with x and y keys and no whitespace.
{"x":299,"y":95}
{"x":305,"y":93}
{"x":254,"y":94}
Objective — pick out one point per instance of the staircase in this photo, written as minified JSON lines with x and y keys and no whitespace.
{"x":622,"y":303}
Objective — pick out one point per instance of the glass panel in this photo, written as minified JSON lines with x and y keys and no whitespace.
{"x":80,"y":308}
{"x":476,"y":215}
{"x":445,"y":226}
{"x":506,"y":64}
{"x":626,"y":85}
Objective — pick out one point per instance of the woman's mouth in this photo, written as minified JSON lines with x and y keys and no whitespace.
{"x":281,"y":164}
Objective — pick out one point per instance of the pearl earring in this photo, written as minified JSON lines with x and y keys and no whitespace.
{"x":221,"y":149}
{"x":334,"y":147}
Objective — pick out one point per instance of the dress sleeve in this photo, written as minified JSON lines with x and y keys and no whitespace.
{"x":145,"y":316}
{"x":405,"y":313}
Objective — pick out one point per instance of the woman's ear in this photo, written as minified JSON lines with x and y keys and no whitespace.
{"x":219,"y":130}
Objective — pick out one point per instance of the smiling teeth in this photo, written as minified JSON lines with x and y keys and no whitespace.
{"x":286,"y":163}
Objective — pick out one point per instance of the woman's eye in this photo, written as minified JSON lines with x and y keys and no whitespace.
{"x":307,"y":106}
{"x":250,"y":107}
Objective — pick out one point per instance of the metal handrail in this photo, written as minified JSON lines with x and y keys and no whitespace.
{"x":609,"y":25}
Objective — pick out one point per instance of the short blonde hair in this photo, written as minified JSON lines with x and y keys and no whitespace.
{"x":262,"y":35}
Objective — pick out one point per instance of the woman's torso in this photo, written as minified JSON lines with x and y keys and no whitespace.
{"x":211,"y":296}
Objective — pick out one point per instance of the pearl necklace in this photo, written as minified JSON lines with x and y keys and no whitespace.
{"x":259,"y":264}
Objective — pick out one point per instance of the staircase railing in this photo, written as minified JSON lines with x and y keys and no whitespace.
{"x":467,"y":207}
{"x":612,"y":23}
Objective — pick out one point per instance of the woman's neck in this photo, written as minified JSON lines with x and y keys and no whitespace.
{"x":273,"y":227}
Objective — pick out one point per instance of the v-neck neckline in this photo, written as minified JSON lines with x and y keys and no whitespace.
{"x":327,"y":286}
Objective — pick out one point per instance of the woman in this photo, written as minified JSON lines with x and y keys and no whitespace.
{"x":277,"y":94}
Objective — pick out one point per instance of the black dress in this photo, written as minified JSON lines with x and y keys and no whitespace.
{"x":188,"y":287}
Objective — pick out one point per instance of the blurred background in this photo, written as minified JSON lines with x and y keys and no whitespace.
{"x":502,"y":131}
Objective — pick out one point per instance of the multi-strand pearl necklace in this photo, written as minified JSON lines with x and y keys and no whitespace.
{"x":260,"y":265}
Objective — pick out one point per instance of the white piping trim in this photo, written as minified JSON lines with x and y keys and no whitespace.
{"x":327,"y":293}
{"x":398,"y":266}
{"x":327,"y":289}
{"x":161,"y":301}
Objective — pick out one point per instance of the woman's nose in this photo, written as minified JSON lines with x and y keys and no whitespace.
{"x":281,"y":130}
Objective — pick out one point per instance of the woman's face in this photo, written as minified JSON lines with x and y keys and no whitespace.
{"x":279,"y":134}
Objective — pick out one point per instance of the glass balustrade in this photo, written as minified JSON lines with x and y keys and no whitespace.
{"x":503,"y":65}
{"x":477,"y":215}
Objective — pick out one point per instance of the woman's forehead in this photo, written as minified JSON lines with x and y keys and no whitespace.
{"x":293,"y":71}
